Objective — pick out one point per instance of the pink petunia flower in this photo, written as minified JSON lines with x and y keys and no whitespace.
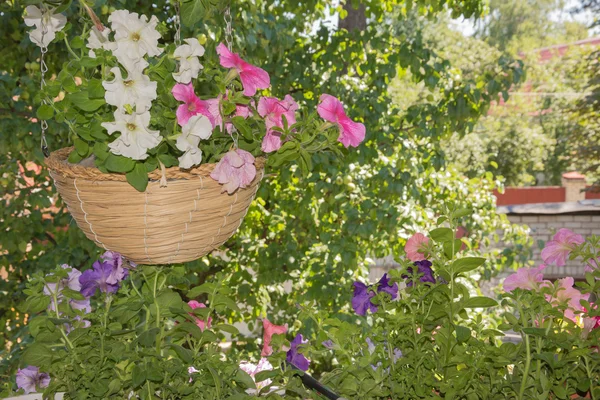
{"x":270,"y":330}
{"x":331,"y":110}
{"x":235,"y":170}
{"x":273,"y":110}
{"x":562,"y":244}
{"x":568,"y":296}
{"x":201,"y":323}
{"x":415,"y":246}
{"x":192,"y":105}
{"x":252,"y":77}
{"x":525,"y":278}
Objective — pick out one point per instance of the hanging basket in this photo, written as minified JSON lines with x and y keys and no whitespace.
{"x":181,"y":222}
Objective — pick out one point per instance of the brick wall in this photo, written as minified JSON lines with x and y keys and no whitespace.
{"x":543,"y":228}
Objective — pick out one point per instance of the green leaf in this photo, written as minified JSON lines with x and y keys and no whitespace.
{"x":81,"y":147}
{"x":115,"y":163}
{"x":245,"y":379}
{"x":192,"y":11}
{"x":148,"y":338}
{"x":450,"y":251}
{"x":37,"y":354}
{"x":535,"y":331}
{"x":138,"y":377}
{"x":479,"y":302}
{"x":45,"y":112}
{"x":168,"y":160}
{"x":467,"y":264}
{"x":138,"y":178}
{"x":462,"y":333}
{"x":198,"y":290}
{"x":95,"y":89}
{"x":227,"y":328}
{"x":242,"y":126}
{"x":77,"y":42}
{"x":82,"y":101}
{"x":463,"y":212}
{"x":220,"y":299}
{"x":441,"y":234}
{"x":184,"y":354}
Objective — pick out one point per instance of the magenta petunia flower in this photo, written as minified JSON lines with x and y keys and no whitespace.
{"x":568,"y":296}
{"x":270,"y":329}
{"x":235,"y":170}
{"x":200,"y":322}
{"x":423,"y":269}
{"x":525,"y":278}
{"x":415,"y":247}
{"x":273,"y":110}
{"x":192,"y":105}
{"x":331,"y":110}
{"x":30,"y":379}
{"x":252,"y":77}
{"x":562,"y":244}
{"x":294,"y":357}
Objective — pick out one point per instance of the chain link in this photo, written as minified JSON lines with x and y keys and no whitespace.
{"x":228,"y":30}
{"x":43,"y":69}
{"x":177,"y":22}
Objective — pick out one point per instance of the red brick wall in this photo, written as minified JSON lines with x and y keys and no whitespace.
{"x":529,"y":195}
{"x":592,"y":195}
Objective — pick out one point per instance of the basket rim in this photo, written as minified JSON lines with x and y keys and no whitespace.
{"x":57,"y":162}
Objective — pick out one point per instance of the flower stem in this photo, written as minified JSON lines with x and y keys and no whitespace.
{"x":70,"y":49}
{"x":62,"y":330}
{"x":528,"y":351}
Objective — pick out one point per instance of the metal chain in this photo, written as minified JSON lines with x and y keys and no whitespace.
{"x":177,"y":22}
{"x":228,"y":30}
{"x":43,"y":69}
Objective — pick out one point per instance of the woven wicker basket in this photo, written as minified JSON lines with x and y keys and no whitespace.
{"x":181,"y":222}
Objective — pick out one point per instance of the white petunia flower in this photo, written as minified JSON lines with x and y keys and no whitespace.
{"x":198,"y":127}
{"x":136,"y":90}
{"x":189,"y":65}
{"x":99,"y":40}
{"x":135,"y":36}
{"x":136,"y":136}
{"x":53,"y":22}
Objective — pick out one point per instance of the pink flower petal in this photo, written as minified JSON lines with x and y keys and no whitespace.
{"x":562,"y":244}
{"x":414,"y":247}
{"x":270,"y":330}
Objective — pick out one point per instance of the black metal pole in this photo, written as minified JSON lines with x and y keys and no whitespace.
{"x":314,"y":384}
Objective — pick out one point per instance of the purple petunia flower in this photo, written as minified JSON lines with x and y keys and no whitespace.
{"x":97,"y":278}
{"x":423,"y":269}
{"x":295,"y":358}
{"x":116,"y":261}
{"x":384,"y":286}
{"x":361,"y":300}
{"x":328,"y":343}
{"x":30,"y":379}
{"x":71,"y":282}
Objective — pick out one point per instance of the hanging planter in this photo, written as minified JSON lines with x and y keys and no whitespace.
{"x":181,"y":222}
{"x":157,"y":172}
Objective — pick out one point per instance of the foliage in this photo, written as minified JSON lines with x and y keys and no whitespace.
{"x":586,"y":119}
{"x":440,"y":339}
{"x":318,"y":230}
{"x":528,"y":140}
{"x":142,"y":341}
